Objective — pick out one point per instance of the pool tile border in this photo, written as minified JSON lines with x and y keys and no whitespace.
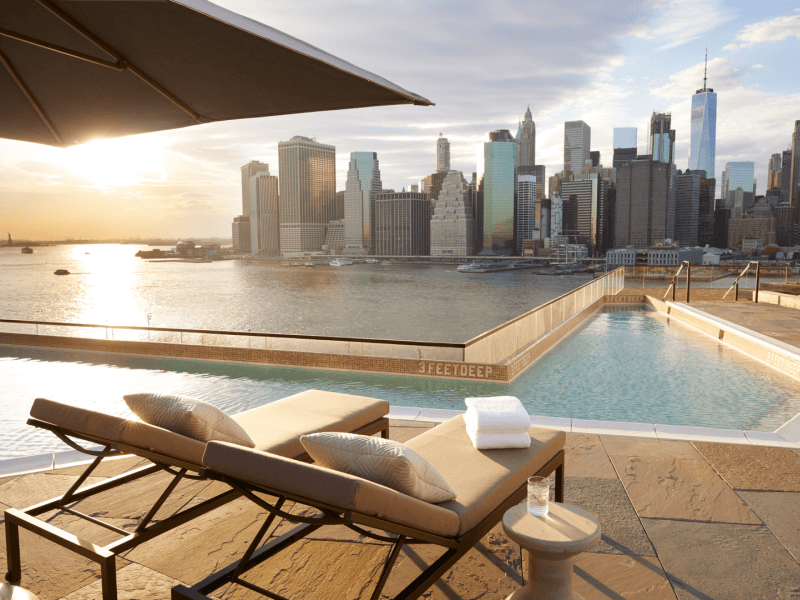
{"x":614,"y":428}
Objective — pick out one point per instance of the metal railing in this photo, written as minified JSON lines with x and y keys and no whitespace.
{"x":673,"y":283}
{"x":735,"y":284}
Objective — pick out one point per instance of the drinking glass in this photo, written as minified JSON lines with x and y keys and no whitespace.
{"x":538,"y":496}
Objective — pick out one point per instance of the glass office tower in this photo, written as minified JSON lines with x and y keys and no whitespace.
{"x":703,"y":144}
{"x":499,"y":158}
{"x":738,"y":175}
{"x":363,"y":184}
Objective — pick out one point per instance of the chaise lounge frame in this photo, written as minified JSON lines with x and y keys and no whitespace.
{"x":455,"y":547}
{"x":105,"y":556}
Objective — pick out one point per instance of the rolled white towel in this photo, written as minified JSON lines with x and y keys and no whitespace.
{"x":497,"y":441}
{"x":501,"y":414}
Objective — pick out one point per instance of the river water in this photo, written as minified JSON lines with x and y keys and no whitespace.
{"x":108,"y":284}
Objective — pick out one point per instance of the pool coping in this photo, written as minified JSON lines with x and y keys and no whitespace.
{"x":642,"y":430}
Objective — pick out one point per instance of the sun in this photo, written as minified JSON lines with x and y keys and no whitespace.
{"x":114,"y":163}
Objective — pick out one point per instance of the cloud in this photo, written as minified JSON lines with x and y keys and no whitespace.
{"x":676,"y":22}
{"x":722,"y":75}
{"x":752,"y":124}
{"x":766,"y":32}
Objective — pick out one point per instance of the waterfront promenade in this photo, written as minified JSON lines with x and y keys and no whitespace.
{"x":681,"y":520}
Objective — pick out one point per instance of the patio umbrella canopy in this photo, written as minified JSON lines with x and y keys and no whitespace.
{"x":76,"y":70}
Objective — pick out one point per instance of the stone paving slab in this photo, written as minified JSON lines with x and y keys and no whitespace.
{"x":27,"y":490}
{"x":48,"y":570}
{"x":134,"y":499}
{"x":680,"y":489}
{"x":195,"y":550}
{"x":405,"y":433}
{"x":752,"y":467}
{"x":622,"y":533}
{"x":314,"y":569}
{"x":586,"y":457}
{"x":780,"y":511}
{"x":616,"y":577}
{"x":107,"y":468}
{"x":489,"y":570}
{"x":616,"y":445}
{"x":134,"y":582}
{"x":725,"y":561}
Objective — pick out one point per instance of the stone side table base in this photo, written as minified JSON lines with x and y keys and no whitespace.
{"x":551,"y":542}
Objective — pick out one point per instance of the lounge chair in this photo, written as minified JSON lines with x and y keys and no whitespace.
{"x":487,"y":484}
{"x":274,"y":428}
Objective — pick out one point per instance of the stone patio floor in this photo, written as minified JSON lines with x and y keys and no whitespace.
{"x":778,"y":322}
{"x":681,"y":520}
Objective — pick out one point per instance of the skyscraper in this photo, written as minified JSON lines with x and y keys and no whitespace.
{"x":594,"y":156}
{"x":248,"y":171}
{"x":442,"y":155}
{"x":705,"y":218}
{"x":363,"y":184}
{"x":240,"y":230}
{"x":703,"y":145}
{"x":577,"y":141}
{"x":739,"y":175}
{"x":307,"y":185}
{"x":499,"y":159}
{"x":264,"y":221}
{"x":785,"y":177}
{"x":625,"y":146}
{"x":773,"y":172}
{"x":642,"y":203}
{"x":525,"y":222}
{"x":687,"y":206}
{"x":402,"y":224}
{"x":588,"y":199}
{"x":453,"y":224}
{"x":662,"y":138}
{"x":794,"y":181}
{"x":527,"y":141}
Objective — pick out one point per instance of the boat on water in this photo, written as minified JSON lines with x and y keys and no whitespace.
{"x":338,"y":262}
{"x":469,"y":267}
{"x":61,"y":272}
{"x":27,"y":250}
{"x":373,"y":261}
{"x":386,"y":262}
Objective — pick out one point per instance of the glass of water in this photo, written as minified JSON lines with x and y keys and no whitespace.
{"x":538,"y":496}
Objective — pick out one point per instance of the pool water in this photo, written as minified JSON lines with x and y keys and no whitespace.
{"x":624,"y":363}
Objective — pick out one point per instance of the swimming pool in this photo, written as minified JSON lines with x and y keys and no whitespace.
{"x":624,"y":363}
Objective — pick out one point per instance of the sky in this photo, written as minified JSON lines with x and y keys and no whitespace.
{"x":610,"y":64}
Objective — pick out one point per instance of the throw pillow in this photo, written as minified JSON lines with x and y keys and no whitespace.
{"x":383,"y":461}
{"x":188,"y":416}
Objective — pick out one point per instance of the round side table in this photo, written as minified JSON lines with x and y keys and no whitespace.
{"x":552,"y":542}
{"x":14,"y":592}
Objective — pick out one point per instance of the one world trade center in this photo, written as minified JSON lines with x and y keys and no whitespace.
{"x":704,"y":129}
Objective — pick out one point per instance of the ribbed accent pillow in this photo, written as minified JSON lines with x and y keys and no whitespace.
{"x":383,"y":461}
{"x":188,"y":416}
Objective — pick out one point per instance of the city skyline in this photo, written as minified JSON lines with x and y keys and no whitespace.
{"x":183,"y":183}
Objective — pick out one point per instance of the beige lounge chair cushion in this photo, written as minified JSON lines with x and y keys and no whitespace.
{"x":274,"y":427}
{"x":482,"y":479}
{"x":340,"y":490}
{"x":277,"y":427}
{"x":383,"y":461}
{"x":187,"y":416}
